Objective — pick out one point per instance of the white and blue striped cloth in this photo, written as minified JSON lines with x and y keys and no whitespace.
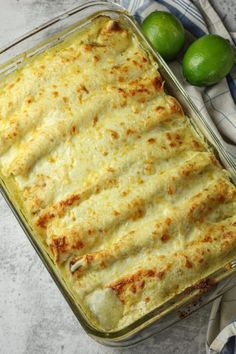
{"x":217,"y":104}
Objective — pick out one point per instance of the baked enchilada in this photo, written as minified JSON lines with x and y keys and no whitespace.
{"x":127,"y":198}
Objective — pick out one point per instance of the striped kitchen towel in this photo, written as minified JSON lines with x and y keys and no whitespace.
{"x":221,"y":333}
{"x":217,"y":104}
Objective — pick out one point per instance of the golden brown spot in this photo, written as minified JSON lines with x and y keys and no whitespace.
{"x":207,"y":239}
{"x":121,"y":90}
{"x":124,"y":69}
{"x":58,"y":210}
{"x":160,"y":275}
{"x":95,"y":120}
{"x":73,"y":261}
{"x":196,"y":144}
{"x":142,"y":100}
{"x":165,"y":237}
{"x":138,"y":209}
{"x":124,"y":193}
{"x":70,"y":200}
{"x":113,"y":26}
{"x":159,"y":108}
{"x":151,"y":141}
{"x":88,"y":47}
{"x":89,"y":258}
{"x":134,"y":281}
{"x":170,"y":190}
{"x":65,"y":99}
{"x":79,"y":244}
{"x":175,"y":106}
{"x":59,"y":245}
{"x":115,"y":213}
{"x":103,"y":264}
{"x":186,"y":171}
{"x":51,"y":159}
{"x":55,"y":93}
{"x":138,"y":90}
{"x":130,"y":131}
{"x":121,"y":79}
{"x":96,"y":58}
{"x":141,"y":284}
{"x":135,"y":62}
{"x":110,"y":169}
{"x":114,"y":134}
{"x":188,"y":264}
{"x":73,"y":130}
{"x":158,"y":83}
{"x":221,"y":198}
{"x":10,"y":86}
{"x":43,"y":220}
{"x":168,"y":221}
{"x":149,"y":169}
{"x":84,"y":88}
{"x":133,"y":288}
{"x":228,"y":234}
{"x":29,"y":100}
{"x":215,"y":161}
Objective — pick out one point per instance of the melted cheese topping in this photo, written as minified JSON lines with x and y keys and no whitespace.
{"x":112,"y":177}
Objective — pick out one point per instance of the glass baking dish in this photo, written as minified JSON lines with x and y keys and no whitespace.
{"x":180,"y":306}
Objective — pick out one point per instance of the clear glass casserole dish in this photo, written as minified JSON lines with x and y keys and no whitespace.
{"x":180,"y":306}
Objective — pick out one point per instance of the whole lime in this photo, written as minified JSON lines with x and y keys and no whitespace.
{"x":208,"y":60}
{"x":165,"y":32}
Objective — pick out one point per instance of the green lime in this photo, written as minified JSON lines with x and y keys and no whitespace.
{"x":208,"y":60}
{"x":165,"y":32}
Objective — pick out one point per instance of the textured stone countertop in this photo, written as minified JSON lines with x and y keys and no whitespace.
{"x":34,"y":317}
